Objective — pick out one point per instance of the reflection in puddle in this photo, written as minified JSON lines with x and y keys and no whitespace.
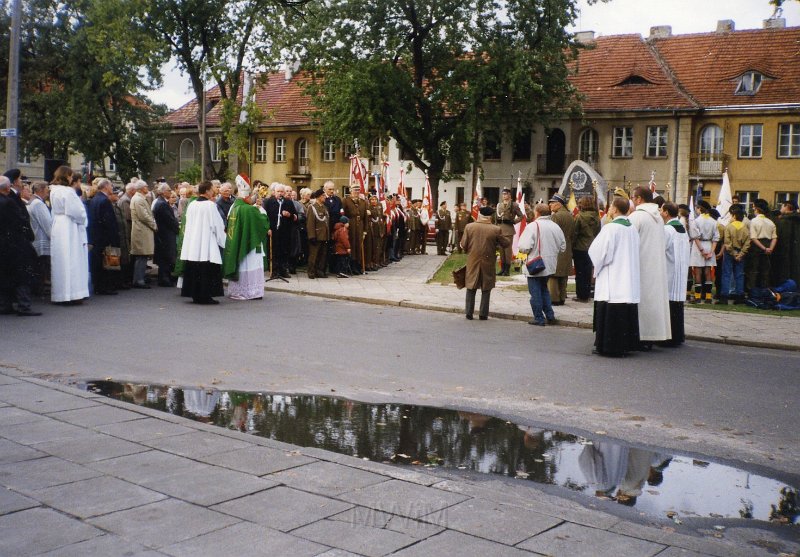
{"x":654,"y":483}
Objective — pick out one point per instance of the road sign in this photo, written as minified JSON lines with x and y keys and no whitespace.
{"x":8,"y":132}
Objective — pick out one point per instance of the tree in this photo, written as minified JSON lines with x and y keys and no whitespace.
{"x":437,"y":76}
{"x":216,"y":39}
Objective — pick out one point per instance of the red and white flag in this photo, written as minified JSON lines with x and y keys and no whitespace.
{"x":652,"y":184}
{"x":401,"y":187}
{"x":476,"y":199}
{"x":520,"y":226}
{"x":427,"y":199}
{"x":358,"y":172}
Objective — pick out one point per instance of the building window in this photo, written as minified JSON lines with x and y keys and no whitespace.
{"x":750,"y":141}
{"x":214,"y":148}
{"x":161,"y":150}
{"x":711,"y":140}
{"x":522,"y":147}
{"x":112,"y":166}
{"x":280,"y":149}
{"x":24,"y":157}
{"x":261,"y":150}
{"x":746,"y":200}
{"x":329,"y":151}
{"x":789,"y":141}
{"x":349,"y":150}
{"x":749,"y":83}
{"x":623,"y":142}
{"x":186,"y":159}
{"x":784,"y":196}
{"x":656,"y":142}
{"x":588,"y":146}
{"x":302,"y":151}
{"x":376,"y":151}
{"x":492,"y":147}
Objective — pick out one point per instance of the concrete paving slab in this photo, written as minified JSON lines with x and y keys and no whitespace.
{"x":573,"y":540}
{"x":456,"y":543}
{"x":396,"y":472}
{"x":209,"y":486}
{"x":8,"y":380}
{"x":42,"y":431}
{"x":258,"y":461}
{"x":15,"y":452}
{"x":11,"y":501}
{"x":337,"y":553}
{"x":402,"y":498}
{"x":704,"y":545}
{"x":37,"y":398}
{"x":95,"y":416}
{"x":163,"y":523}
{"x":196,"y":444}
{"x":144,"y":429}
{"x":326,"y":478}
{"x":245,"y":539}
{"x":11,"y":415}
{"x":35,"y":531}
{"x":282,"y":508}
{"x":147,"y":467}
{"x":414,"y":528}
{"x":379,"y":519}
{"x":43,"y":472}
{"x":96,"y":496}
{"x":493,"y":521}
{"x":678,"y":552}
{"x":107,"y":545}
{"x":91,"y":449}
{"x":363,"y":540}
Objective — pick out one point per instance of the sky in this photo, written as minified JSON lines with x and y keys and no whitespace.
{"x":604,"y":18}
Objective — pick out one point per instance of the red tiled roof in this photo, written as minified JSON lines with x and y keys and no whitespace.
{"x":282,"y":102}
{"x":602,"y":70}
{"x":708,"y":64}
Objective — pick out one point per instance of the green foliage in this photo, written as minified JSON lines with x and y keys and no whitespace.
{"x":190,"y":175}
{"x":435,"y":76}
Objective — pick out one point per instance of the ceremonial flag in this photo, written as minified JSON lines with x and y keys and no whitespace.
{"x":401,"y":187}
{"x":427,"y":199}
{"x":358,"y":172}
{"x":652,"y":184}
{"x":572,"y":205}
{"x":725,"y":200}
{"x":520,"y":226}
{"x":476,"y":199}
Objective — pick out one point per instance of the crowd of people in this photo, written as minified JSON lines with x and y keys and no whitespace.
{"x":634,"y":262}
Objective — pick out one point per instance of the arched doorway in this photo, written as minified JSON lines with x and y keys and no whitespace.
{"x":556,"y":143}
{"x":186,"y":159}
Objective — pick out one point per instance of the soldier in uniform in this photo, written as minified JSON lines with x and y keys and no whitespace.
{"x":414,"y":224}
{"x":355,"y":209}
{"x":334,"y":205}
{"x":319,"y":234}
{"x":463,"y":218}
{"x":557,"y":284}
{"x":376,"y":232}
{"x":444,"y":224}
{"x":507,"y":214}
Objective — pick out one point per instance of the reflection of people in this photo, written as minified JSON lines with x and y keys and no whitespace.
{"x":603,"y":464}
{"x":200,"y":403}
{"x":637,"y":470}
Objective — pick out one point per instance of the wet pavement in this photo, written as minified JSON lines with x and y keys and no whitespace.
{"x":83,"y":474}
{"x":654,"y":482}
{"x":405,"y":284}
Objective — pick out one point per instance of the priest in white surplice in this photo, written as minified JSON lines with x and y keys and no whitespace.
{"x":203,"y":238}
{"x":615,"y":256}
{"x":654,"y":306}
{"x":677,"y":270}
{"x":69,"y":254}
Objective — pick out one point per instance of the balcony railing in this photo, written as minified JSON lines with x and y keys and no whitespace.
{"x":707,"y":164}
{"x":300,"y":167}
{"x":553,"y":164}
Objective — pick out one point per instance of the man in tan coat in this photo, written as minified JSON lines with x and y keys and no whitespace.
{"x":557,"y":283}
{"x":319,"y":233}
{"x":481,"y":240}
{"x":143,"y":225}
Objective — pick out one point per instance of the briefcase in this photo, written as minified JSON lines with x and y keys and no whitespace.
{"x":460,"y":277}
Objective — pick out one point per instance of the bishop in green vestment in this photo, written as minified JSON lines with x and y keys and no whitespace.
{"x":245,"y":249}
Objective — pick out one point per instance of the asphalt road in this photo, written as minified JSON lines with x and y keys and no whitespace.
{"x":729,"y":403}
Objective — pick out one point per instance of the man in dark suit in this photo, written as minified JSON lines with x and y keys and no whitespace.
{"x":334,"y":205}
{"x":17,"y":256}
{"x":166,"y":238}
{"x":103,"y":232}
{"x":282,"y":216}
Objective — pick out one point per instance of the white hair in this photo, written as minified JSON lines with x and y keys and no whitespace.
{"x":102,"y":183}
{"x":163,"y":188}
{"x":140,"y":185}
{"x":5,"y":183}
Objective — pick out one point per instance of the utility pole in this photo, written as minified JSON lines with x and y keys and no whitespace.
{"x":203,"y":137}
{"x":12,"y":104}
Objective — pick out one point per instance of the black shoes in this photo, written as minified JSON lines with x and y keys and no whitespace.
{"x":28,"y":313}
{"x":469,"y":316}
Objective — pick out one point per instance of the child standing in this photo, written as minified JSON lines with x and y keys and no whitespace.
{"x":736,"y":242}
{"x":341,"y":247}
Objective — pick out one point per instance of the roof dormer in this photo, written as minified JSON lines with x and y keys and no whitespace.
{"x":635,"y":79}
{"x":749,"y":83}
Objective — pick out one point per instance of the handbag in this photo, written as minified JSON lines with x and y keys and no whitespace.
{"x":460,"y":277}
{"x":535,"y":265}
{"x":112,"y":259}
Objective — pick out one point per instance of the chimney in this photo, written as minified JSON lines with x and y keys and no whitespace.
{"x":584,"y":37}
{"x":775,"y":23}
{"x":725,"y":26}
{"x":287,"y":73}
{"x":660,"y":31}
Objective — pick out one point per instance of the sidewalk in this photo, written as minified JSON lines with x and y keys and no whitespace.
{"x":405,"y":284}
{"x":85,"y":475}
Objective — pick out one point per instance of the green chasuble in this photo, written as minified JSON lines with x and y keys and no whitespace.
{"x":178,"y":271}
{"x":247,"y":231}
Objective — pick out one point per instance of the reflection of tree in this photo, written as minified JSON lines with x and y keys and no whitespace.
{"x":787,"y":508}
{"x":747,"y":509}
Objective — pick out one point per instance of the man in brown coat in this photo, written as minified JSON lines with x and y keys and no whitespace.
{"x":557,"y":284}
{"x":355,"y":209}
{"x":481,"y":240}
{"x":376,"y":231}
{"x":319,"y":233}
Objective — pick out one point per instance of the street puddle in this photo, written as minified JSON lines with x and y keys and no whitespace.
{"x":656,"y":484}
